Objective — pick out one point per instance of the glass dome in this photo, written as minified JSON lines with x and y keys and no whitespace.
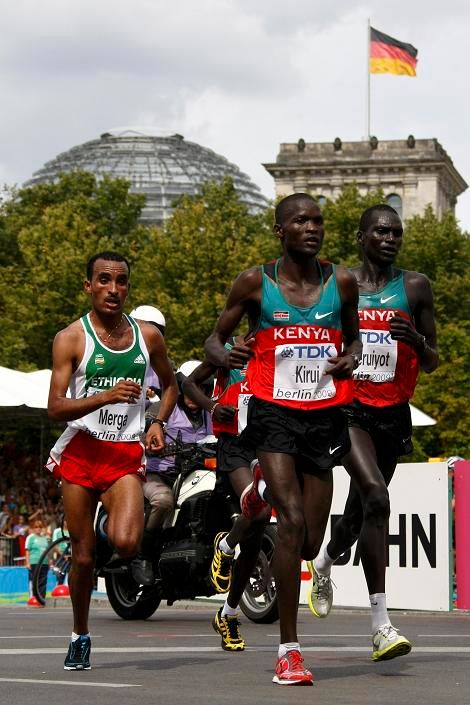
{"x":160,"y":165}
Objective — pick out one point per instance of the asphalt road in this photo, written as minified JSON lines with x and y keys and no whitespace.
{"x":175,"y":658}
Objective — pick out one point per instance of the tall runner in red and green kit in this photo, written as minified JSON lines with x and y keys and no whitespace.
{"x":399,"y":337}
{"x":301,"y":352}
{"x":97,"y":387}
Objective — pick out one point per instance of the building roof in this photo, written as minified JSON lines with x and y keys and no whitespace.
{"x":160,"y":164}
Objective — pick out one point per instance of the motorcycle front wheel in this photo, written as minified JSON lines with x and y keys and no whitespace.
{"x":259,"y":601}
{"x":129,"y":599}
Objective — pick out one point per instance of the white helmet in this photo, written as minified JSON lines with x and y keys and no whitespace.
{"x":149,"y":314}
{"x":188,"y":367}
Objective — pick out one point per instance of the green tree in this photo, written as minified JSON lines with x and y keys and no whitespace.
{"x":439,"y":248}
{"x":188,"y":266}
{"x":52,"y":230}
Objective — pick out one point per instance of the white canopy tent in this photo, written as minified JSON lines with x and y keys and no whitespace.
{"x":419,"y":418}
{"x":24,"y":390}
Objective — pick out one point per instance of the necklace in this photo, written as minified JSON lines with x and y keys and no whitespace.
{"x":110,"y":334}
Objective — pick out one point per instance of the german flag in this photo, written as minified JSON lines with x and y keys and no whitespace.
{"x":388,"y":55}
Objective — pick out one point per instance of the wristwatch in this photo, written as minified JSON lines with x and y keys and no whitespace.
{"x":160,"y":422}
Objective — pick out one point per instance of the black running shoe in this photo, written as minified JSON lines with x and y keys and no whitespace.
{"x":78,"y":655}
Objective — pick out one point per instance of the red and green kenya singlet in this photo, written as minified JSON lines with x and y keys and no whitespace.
{"x":231,"y":388}
{"x":389,"y":368}
{"x":293,"y":345}
{"x":100,"y":369}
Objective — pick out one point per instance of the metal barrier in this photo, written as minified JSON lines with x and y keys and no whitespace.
{"x":9,"y":550}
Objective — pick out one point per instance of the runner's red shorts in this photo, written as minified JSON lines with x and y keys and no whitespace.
{"x":96,"y":464}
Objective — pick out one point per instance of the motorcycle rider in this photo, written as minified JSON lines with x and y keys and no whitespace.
{"x":228,"y":407}
{"x":153,"y":315}
{"x":194,"y":423}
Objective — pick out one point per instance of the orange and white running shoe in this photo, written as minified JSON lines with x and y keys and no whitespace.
{"x":290,"y":670}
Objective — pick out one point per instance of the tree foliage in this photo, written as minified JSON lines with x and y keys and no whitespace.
{"x":188,"y":266}
{"x":51,"y":231}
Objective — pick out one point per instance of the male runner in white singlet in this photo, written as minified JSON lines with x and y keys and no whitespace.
{"x":102,"y":359}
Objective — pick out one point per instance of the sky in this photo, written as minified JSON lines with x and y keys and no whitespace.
{"x":238,"y":76}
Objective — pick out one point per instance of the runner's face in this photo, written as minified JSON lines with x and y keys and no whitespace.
{"x":382,"y":241}
{"x":302,"y":230}
{"x":109,"y":286}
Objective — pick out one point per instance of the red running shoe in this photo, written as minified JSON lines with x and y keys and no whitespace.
{"x":251,"y":502}
{"x":290,"y":670}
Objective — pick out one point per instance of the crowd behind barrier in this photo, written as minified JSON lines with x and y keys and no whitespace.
{"x":27,"y":494}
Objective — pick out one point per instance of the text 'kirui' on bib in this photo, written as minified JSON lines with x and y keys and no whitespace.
{"x":301,"y":372}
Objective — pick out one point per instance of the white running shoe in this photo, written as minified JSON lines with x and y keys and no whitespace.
{"x":320,"y":596}
{"x":388,"y":644}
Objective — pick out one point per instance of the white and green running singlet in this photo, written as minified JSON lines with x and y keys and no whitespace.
{"x":99,"y":370}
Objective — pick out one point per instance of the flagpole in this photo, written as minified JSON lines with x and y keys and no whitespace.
{"x":368,"y":80}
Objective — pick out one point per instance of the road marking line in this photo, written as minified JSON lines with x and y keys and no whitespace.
{"x":448,"y":636}
{"x":67,"y":683}
{"x":46,"y":636}
{"x":320,"y":636}
{"x":215,"y":649}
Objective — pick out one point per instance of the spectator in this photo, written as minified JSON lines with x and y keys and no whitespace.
{"x":36,"y":544}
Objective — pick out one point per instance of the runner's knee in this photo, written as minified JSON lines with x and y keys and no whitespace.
{"x":377,"y":506}
{"x":127,"y":545}
{"x":83,"y":559}
{"x":291,"y":527}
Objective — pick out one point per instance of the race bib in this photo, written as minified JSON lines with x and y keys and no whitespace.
{"x":243,"y":400}
{"x":379,"y":357}
{"x":299,"y":372}
{"x":115,"y":422}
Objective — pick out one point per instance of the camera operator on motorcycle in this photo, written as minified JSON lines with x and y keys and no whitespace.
{"x":228,"y":406}
{"x":193,"y":423}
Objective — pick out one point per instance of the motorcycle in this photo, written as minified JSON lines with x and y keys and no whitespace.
{"x":204,"y":506}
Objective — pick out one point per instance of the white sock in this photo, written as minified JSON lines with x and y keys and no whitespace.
{"x":379,"y":614}
{"x":77,"y":636}
{"x":323,"y":562}
{"x":230,"y":611}
{"x":261,"y":488}
{"x":288,"y":646}
{"x":223,"y":545}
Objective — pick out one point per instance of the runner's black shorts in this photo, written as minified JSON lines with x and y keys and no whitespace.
{"x":232,"y":453}
{"x":388,"y":426}
{"x":318,"y":438}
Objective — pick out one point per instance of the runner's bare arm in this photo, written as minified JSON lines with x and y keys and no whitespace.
{"x":345,"y":364}
{"x":422,"y":336}
{"x":160,"y":363}
{"x":243,"y":299}
{"x":192,"y":385}
{"x":67,"y":349}
{"x":192,"y":389}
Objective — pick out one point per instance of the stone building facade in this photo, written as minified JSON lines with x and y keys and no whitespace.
{"x":411,"y":172}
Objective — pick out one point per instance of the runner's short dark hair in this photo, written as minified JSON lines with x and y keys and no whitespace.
{"x":106,"y":255}
{"x":284,"y":207}
{"x":368,"y":216}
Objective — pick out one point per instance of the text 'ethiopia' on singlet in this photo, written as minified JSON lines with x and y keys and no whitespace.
{"x":293,"y":346}
{"x":231,"y":387}
{"x":389,"y":368}
{"x":100,"y":369}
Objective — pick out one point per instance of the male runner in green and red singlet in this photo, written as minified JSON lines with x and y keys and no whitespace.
{"x":228,"y":407}
{"x":399,"y":337}
{"x":102,"y":360}
{"x":302,"y":352}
